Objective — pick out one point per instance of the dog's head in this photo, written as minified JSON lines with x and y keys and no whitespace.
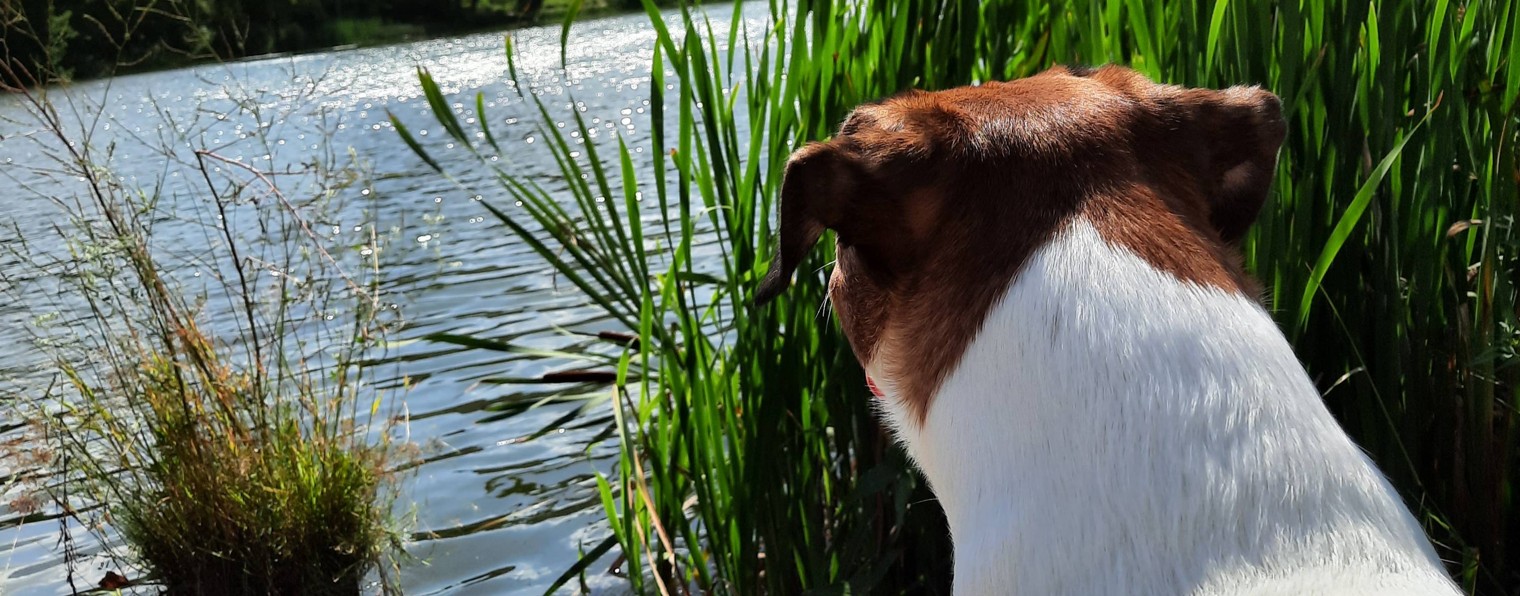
{"x":938,"y":199}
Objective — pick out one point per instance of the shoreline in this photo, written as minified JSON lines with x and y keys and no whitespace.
{"x":551,"y":14}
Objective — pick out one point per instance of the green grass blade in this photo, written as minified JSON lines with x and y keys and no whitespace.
{"x":1347,"y":224}
{"x":406,"y":136}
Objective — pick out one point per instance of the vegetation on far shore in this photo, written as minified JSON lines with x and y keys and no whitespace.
{"x":66,"y":40}
{"x":751,"y":461}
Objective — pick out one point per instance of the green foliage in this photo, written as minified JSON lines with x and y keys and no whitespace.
{"x":749,"y":439}
{"x":59,"y":34}
{"x":368,"y":30}
{"x":751,"y":462}
{"x":55,"y":40}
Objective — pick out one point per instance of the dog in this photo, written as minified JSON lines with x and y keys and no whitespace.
{"x":1041,"y":279}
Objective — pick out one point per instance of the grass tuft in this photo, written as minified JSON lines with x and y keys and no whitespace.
{"x":219,"y":425}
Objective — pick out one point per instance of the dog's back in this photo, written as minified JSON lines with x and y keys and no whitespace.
{"x":1115,"y":430}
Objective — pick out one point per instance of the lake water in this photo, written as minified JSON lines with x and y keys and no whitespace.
{"x":495,"y":514}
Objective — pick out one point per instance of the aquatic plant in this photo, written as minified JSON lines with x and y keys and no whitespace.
{"x":751,"y":461}
{"x":218,"y":425}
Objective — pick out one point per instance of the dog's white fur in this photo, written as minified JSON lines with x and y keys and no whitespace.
{"x":1114,"y":430}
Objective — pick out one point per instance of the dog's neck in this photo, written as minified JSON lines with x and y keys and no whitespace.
{"x":1114,"y":429}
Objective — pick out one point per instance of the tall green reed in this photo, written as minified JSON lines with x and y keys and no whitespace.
{"x":751,"y":461}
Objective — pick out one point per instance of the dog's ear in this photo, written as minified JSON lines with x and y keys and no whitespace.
{"x":1239,"y":131}
{"x":814,"y":189}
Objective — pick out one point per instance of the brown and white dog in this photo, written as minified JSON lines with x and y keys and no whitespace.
{"x":1041,"y":278}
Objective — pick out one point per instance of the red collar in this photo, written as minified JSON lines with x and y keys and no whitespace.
{"x":875,"y":391}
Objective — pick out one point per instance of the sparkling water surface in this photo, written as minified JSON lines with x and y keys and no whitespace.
{"x":495,"y":514}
